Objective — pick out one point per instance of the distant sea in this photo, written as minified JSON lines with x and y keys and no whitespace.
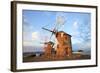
{"x":86,"y":50}
{"x":28,"y":50}
{"x":32,"y":49}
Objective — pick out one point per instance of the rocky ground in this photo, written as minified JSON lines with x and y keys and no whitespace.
{"x":32,"y":58}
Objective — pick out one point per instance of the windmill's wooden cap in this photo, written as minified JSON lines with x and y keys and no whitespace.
{"x":63,"y":32}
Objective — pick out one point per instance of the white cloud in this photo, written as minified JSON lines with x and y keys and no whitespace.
{"x":35,"y":35}
{"x":74,"y":40}
{"x":25,"y":21}
{"x":31,"y":39}
{"x":26,"y":24}
{"x":27,"y":43}
{"x":32,"y":43}
{"x":25,"y":36}
{"x":75,"y":27}
{"x":60,"y":18}
{"x":85,"y":46}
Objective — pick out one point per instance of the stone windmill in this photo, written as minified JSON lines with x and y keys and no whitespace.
{"x":64,"y":46}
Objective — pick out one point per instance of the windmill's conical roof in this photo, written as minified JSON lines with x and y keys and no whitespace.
{"x":64,"y":33}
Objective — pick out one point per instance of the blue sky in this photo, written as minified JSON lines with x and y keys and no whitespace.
{"x":74,"y":23}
